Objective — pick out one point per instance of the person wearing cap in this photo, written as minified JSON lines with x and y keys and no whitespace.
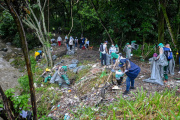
{"x":38,"y":55}
{"x":76,"y":42}
{"x":131,"y":70}
{"x":127,"y":50}
{"x":103,"y":53}
{"x":162,"y":61}
{"x":112,"y":50}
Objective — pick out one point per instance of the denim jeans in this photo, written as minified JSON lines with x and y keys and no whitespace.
{"x":75,"y":44}
{"x":103,"y":57}
{"x":67,"y":46}
{"x":128,"y":81}
{"x":80,"y":46}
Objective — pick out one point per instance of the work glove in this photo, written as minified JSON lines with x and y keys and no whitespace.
{"x":112,"y":70}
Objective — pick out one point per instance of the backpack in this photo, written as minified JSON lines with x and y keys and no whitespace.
{"x":101,"y":48}
{"x":168,"y":53}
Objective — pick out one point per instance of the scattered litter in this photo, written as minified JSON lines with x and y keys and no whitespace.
{"x":54,"y":44}
{"x":74,"y":61}
{"x":72,"y":66}
{"x":115,"y":87}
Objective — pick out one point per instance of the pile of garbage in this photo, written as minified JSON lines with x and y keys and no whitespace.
{"x":70,"y":52}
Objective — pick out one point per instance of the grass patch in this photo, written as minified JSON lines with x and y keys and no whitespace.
{"x":164,"y":105}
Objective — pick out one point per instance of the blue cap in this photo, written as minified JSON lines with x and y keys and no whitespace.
{"x":106,"y":41}
{"x":122,"y":62}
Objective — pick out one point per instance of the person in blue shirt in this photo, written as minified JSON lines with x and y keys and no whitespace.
{"x":131,"y":70}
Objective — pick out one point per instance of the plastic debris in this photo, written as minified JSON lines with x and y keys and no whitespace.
{"x":54,"y":57}
{"x":66,"y":116}
{"x":115,"y":87}
{"x":74,"y":61}
{"x":72,"y":66}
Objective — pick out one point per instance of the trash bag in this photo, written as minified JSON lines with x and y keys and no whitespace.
{"x":76,"y":70}
{"x":72,"y":66}
{"x":52,"y":80}
{"x":108,"y":59}
{"x":74,"y":61}
{"x":54,"y":57}
{"x":171,"y":67}
{"x":157,"y":71}
{"x":66,"y":79}
{"x":54,"y":44}
{"x":70,"y":52}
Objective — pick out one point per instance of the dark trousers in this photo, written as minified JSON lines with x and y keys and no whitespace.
{"x":103,"y":57}
{"x":70,"y":47}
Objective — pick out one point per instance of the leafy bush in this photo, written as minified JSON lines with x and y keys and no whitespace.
{"x":24,"y":80}
{"x":18,"y":101}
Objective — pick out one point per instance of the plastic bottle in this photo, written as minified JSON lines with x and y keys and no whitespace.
{"x":66,"y":116}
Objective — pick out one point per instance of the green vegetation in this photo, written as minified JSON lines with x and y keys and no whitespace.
{"x":142,"y":106}
{"x":19,"y":102}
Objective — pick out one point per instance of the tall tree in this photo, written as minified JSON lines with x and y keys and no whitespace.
{"x":39,"y":25}
{"x":14,"y":8}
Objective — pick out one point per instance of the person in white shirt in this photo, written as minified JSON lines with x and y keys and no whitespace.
{"x":112,"y":49}
{"x":71,"y":43}
{"x":52,"y":40}
{"x":59,"y":39}
{"x":87,"y":43}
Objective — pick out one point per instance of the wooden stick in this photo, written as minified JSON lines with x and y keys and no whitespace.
{"x":113,"y":68}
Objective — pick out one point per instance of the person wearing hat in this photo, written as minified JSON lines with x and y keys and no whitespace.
{"x":131,"y":70}
{"x":103,"y":50}
{"x":38,"y":55}
{"x":162,"y":61}
{"x":112,"y":50}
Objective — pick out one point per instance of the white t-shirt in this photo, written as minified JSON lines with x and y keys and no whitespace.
{"x":104,"y":49}
{"x":66,"y":37}
{"x":87,"y":42}
{"x":112,"y":50}
{"x":76,"y":40}
{"x":59,"y":39}
{"x":52,"y":40}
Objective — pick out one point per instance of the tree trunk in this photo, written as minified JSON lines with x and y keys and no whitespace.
{"x":168,"y":24}
{"x":160,"y":27}
{"x":7,"y":107}
{"x":26,"y":55}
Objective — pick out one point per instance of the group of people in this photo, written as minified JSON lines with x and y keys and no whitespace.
{"x":83,"y":42}
{"x":161,"y":65}
{"x":125,"y":66}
